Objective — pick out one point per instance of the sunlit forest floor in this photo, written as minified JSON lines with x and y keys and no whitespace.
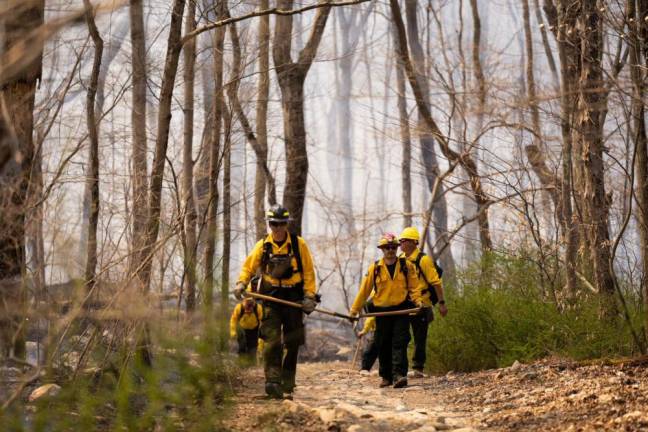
{"x":547,"y":395}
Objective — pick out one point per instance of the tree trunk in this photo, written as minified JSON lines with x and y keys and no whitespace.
{"x":93,"y":134}
{"x":291,"y":76}
{"x":139,"y":179}
{"x":639,"y":62}
{"x":18,"y":95}
{"x":262,"y":122}
{"x":227,"y":231}
{"x":467,"y":163}
{"x":188,"y":163}
{"x":568,"y":51}
{"x":161,"y":143}
{"x":593,"y":197}
{"x":440,"y":209}
{"x":214,"y":165}
{"x":406,"y":142}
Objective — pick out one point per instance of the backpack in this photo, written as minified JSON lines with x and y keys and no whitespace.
{"x":267,"y":252}
{"x":403,"y":266}
{"x":256,"y":313}
{"x":433,"y":295}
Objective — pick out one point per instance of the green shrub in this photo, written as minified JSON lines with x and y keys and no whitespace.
{"x":507,"y":315}
{"x":185,"y":390}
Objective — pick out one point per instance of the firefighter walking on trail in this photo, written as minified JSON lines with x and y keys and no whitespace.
{"x":432,"y":294}
{"x":286,"y":268}
{"x":395,"y":286}
{"x":244,"y":327}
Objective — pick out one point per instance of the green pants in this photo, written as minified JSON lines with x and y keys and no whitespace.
{"x":281,"y":327}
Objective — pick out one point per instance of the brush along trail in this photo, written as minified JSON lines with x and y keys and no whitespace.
{"x":548,"y":395}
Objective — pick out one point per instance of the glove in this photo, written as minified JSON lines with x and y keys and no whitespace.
{"x":239,"y":290}
{"x":354,"y":317}
{"x":233,"y":335}
{"x":308,"y":304}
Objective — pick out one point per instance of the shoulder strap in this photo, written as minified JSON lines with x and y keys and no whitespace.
{"x":294,"y":241}
{"x":418,"y":266}
{"x":403,"y":266}
{"x":376,"y":272}
{"x":265,"y":258}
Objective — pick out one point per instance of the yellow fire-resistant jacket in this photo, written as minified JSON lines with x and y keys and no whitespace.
{"x":390,"y":292}
{"x":430,"y":275}
{"x":247,"y":320}
{"x":253,"y":261}
{"x":369,"y":326}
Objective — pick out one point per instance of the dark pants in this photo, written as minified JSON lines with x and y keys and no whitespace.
{"x":420,"y":325}
{"x":392,"y":337}
{"x":370,"y":353}
{"x":281,"y":327}
{"x":248,"y":342}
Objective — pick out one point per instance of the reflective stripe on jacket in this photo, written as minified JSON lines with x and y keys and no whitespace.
{"x":429,"y":272}
{"x":390,"y":292}
{"x":253,"y":262}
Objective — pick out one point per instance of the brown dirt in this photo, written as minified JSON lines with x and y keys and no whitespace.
{"x":551,"y":396}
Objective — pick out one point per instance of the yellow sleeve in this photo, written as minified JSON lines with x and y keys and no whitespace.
{"x":308,"y":267}
{"x":365,"y":289}
{"x":252,"y":263}
{"x":236,"y":314}
{"x":416,"y":284}
{"x":369,"y":325}
{"x":429,"y":270}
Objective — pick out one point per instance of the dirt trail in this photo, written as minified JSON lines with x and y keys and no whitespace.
{"x":550,"y":395}
{"x":334,"y":397}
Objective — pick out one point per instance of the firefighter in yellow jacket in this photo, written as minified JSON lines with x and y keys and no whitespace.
{"x":395,"y":286}
{"x":244,"y":326}
{"x":432,"y":293}
{"x":286,"y":267}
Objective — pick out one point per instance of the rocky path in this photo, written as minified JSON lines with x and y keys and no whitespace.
{"x":334,"y":397}
{"x":551,"y":395}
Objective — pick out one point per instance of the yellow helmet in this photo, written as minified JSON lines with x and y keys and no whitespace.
{"x":410,"y":233}
{"x":388,"y":239}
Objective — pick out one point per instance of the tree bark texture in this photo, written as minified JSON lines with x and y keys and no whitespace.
{"x":93,"y":134}
{"x":18,"y":96}
{"x":139,"y":170}
{"x":291,"y":76}
{"x":592,"y":190}
{"x":563,"y":20}
{"x":262,"y":123}
{"x":638,"y":45}
{"x":187,"y":161}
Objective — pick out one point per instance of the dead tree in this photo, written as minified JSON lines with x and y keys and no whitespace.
{"x":139,"y":170}
{"x":428,"y":153}
{"x":291,"y":76}
{"x":214,"y":162}
{"x":93,"y":134}
{"x":465,"y":160}
{"x":188,"y":163}
{"x":588,"y":134}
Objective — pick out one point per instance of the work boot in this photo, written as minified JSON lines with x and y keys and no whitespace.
{"x":416,"y":373}
{"x":385,"y":382}
{"x":400,"y":382}
{"x":273,"y":390}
